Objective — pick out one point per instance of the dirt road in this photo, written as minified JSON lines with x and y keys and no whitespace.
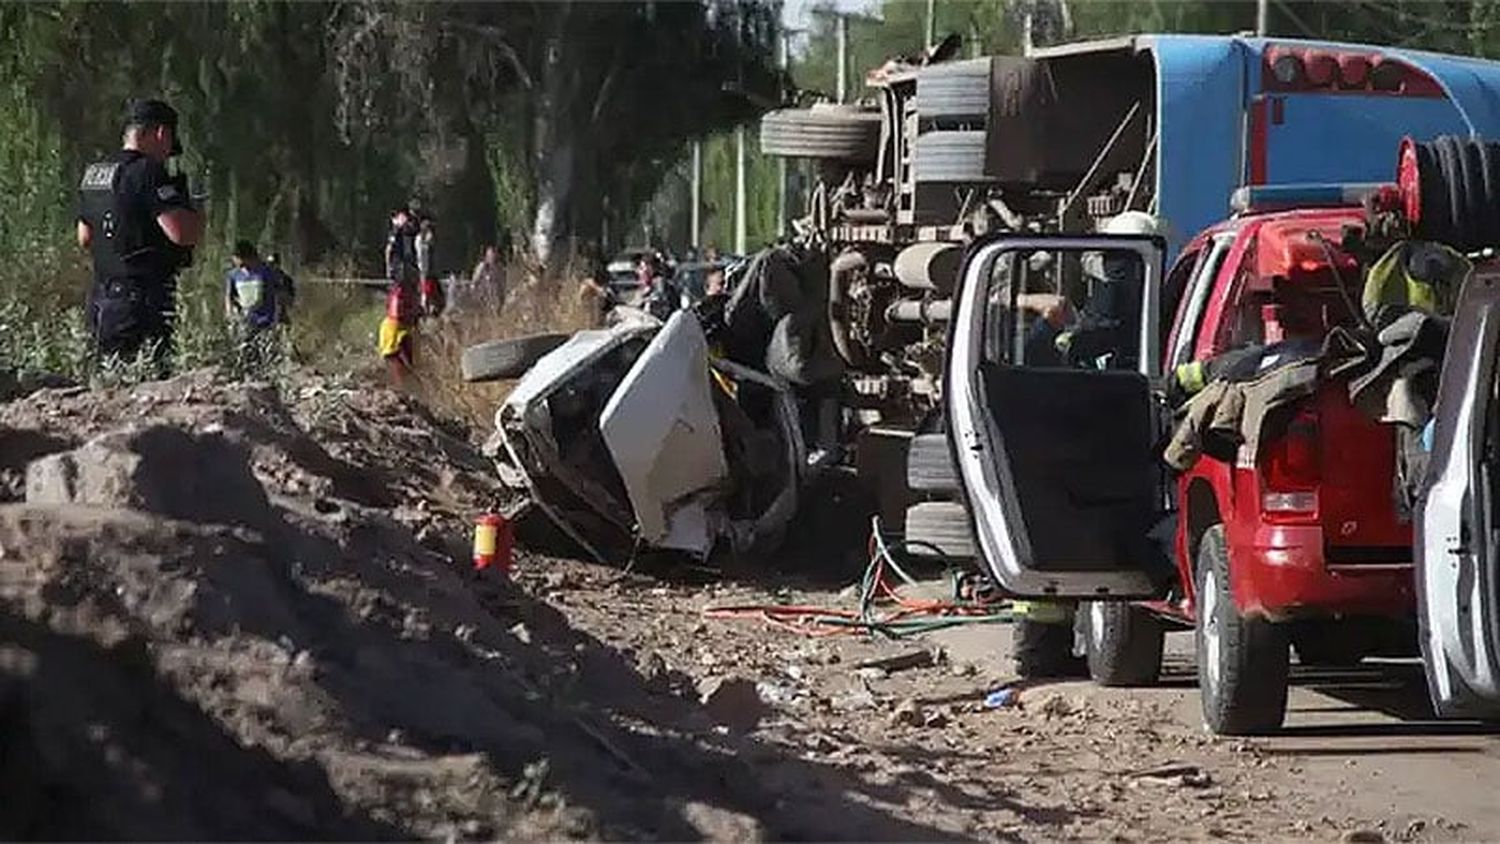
{"x":228,"y":611}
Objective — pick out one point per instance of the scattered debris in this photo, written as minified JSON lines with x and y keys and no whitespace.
{"x":908,"y":713}
{"x":1178,"y":776}
{"x":521,"y":632}
{"x":732,"y":701}
{"x":900,"y":662}
{"x":1002,"y":698}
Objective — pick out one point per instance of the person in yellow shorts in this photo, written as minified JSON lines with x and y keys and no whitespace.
{"x":396,"y":333}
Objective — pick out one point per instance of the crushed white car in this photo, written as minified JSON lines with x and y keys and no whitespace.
{"x":636,"y":436}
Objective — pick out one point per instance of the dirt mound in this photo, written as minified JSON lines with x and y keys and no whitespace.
{"x":250,"y":618}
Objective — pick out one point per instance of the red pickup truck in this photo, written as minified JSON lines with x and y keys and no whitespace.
{"x":1301,"y":544}
{"x":1297,"y":544}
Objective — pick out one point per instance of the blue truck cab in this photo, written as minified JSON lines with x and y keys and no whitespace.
{"x":1189,"y":119}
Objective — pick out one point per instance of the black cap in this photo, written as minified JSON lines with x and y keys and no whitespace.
{"x":151,"y":112}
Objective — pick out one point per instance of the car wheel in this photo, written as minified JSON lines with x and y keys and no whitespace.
{"x":1124,"y":643}
{"x":929,"y":464}
{"x":498,"y":360}
{"x":1242,"y":662}
{"x":943,"y":525}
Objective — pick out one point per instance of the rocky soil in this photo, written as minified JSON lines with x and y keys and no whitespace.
{"x":229,"y":611}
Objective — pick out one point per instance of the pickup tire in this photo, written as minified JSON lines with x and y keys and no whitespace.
{"x":832,"y":132}
{"x":499,"y":360}
{"x":943,"y":525}
{"x":929,"y":464}
{"x":1124,"y":643}
{"x":1242,"y":662}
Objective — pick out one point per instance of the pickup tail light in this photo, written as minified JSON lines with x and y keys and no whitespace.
{"x":1292,"y":468}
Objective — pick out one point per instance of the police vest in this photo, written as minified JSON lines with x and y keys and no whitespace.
{"x":126,"y":241}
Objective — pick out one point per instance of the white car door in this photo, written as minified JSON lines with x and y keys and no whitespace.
{"x":1458,"y":534}
{"x":662,"y":429}
{"x":1056,"y":455}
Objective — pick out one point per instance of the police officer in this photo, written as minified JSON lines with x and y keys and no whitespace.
{"x":139,"y":225}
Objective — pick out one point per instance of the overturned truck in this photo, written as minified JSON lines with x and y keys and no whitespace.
{"x":939,"y":153}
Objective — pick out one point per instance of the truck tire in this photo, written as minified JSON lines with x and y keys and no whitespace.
{"x":498,"y":360}
{"x":944,"y":525}
{"x":1242,"y":662}
{"x":949,"y":157}
{"x":1455,"y":184}
{"x":1124,"y":643}
{"x":929,"y":464}
{"x":954,"y":90}
{"x":838,"y":133}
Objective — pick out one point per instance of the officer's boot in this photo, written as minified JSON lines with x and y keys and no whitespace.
{"x":1043,"y":646}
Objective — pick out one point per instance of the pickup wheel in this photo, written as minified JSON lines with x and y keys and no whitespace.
{"x":1242,"y":662}
{"x":1124,"y":643}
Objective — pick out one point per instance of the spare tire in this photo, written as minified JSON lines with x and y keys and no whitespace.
{"x":954,"y":90}
{"x":499,"y":360}
{"x":840,"y":133}
{"x":954,"y":157}
{"x":1454,"y":191}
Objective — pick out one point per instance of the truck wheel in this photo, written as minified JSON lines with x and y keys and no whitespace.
{"x":498,"y":360}
{"x":949,"y":157}
{"x":1242,"y":662}
{"x":954,"y":90}
{"x":1124,"y":643}
{"x":929,"y":464}
{"x":838,"y":133}
{"x":943,"y":525}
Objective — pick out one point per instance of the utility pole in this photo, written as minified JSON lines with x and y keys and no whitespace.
{"x":783,"y":60}
{"x":695,"y":215}
{"x":1262,"y":17}
{"x":931,"y":28}
{"x":739,"y":190}
{"x":843,"y":53}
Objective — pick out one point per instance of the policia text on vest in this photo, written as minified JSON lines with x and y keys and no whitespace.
{"x":138,"y":223}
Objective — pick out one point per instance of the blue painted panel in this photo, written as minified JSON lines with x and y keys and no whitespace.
{"x":1200,"y":116}
{"x":1350,"y":137}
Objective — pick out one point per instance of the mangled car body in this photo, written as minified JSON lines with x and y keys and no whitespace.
{"x":638,"y":436}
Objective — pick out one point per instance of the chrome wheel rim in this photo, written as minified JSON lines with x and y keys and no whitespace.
{"x":1213,"y":645}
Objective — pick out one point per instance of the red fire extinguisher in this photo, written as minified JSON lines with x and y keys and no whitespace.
{"x":493,"y":540}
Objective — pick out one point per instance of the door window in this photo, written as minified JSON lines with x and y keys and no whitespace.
{"x":1201,"y":286}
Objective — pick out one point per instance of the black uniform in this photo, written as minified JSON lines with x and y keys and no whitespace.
{"x":132,"y":300}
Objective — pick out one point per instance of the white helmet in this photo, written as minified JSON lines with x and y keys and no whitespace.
{"x":1132,"y":222}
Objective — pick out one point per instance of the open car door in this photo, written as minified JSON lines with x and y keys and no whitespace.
{"x":1458,"y":535}
{"x":1051,"y":415}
